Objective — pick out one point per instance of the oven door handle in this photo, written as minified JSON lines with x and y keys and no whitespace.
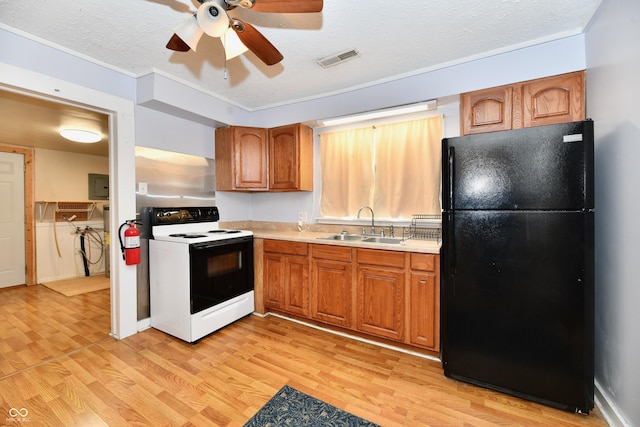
{"x":217,"y":243}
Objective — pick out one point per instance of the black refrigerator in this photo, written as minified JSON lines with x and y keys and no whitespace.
{"x":517,"y":256}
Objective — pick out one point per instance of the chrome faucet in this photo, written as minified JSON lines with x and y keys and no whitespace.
{"x":373,"y":224}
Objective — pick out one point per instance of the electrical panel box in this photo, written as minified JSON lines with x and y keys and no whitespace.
{"x":98,"y":187}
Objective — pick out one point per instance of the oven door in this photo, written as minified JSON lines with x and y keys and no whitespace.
{"x":220,"y":270}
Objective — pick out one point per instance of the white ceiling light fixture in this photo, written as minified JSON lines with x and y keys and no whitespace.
{"x":190,"y":32}
{"x":80,"y":135}
{"x":232,"y":45}
{"x":377,"y":114}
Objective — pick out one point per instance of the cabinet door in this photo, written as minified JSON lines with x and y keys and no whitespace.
{"x":291,"y":158}
{"x":274,"y":296}
{"x":553,"y":100}
{"x":331,"y":292}
{"x":380,"y":301}
{"x":487,"y":110}
{"x":284,"y":158}
{"x":424,"y":317}
{"x":296,"y":277}
{"x":250,"y":158}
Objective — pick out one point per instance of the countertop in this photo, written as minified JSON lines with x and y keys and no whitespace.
{"x":422,"y":246}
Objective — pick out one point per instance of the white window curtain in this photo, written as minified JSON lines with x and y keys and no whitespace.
{"x":394,"y":168}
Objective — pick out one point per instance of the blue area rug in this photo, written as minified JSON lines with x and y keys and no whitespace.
{"x":290,"y":407}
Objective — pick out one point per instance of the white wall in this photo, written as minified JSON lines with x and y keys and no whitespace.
{"x":68,"y":263}
{"x":63,"y":176}
{"x":613,"y":87}
{"x":155,"y":129}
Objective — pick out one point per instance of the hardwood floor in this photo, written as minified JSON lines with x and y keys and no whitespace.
{"x":58,"y":363}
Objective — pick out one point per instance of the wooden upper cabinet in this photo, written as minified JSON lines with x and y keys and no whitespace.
{"x":259,"y":159}
{"x":291,"y":158}
{"x":551,"y":100}
{"x":241,"y":158}
{"x":554,"y":100}
{"x":487,"y":110}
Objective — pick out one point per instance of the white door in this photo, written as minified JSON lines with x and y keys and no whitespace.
{"x":12,"y":217}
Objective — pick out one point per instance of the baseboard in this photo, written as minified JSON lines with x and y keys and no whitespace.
{"x":144,"y":324}
{"x":609,"y":409}
{"x":354,"y":337}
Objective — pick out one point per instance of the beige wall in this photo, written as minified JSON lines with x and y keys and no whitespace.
{"x":63,"y":176}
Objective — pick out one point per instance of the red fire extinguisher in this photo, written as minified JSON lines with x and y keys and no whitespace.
{"x":131,"y":246}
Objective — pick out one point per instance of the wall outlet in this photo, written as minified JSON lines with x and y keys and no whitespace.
{"x":142,"y":188}
{"x":302,"y":217}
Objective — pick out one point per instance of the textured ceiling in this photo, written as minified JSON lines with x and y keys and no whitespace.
{"x":395,"y":39}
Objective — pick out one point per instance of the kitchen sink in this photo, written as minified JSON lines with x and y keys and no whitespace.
{"x":386,"y":240}
{"x":361,"y":238}
{"x":343,"y":237}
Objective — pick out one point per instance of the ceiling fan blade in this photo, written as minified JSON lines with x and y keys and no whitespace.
{"x":256,"y":42}
{"x":176,"y":43}
{"x":287,"y":6}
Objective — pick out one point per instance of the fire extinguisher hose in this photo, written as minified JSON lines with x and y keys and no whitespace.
{"x":120,"y":238}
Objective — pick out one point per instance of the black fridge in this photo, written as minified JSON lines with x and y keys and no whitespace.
{"x":517,"y":260}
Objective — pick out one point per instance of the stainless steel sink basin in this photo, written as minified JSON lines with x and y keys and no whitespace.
{"x":361,"y":238}
{"x":386,"y":240}
{"x":343,"y":237}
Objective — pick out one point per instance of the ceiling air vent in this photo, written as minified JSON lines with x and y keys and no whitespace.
{"x":338,"y":58}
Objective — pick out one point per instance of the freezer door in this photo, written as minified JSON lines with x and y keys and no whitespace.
{"x":517,"y":305}
{"x":541,"y":168}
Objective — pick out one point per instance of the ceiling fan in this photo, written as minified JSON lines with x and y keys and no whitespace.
{"x":237,"y":36}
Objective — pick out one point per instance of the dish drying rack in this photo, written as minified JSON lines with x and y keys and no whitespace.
{"x":424,"y":227}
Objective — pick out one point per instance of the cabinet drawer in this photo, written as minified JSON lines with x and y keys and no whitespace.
{"x":379,"y":257}
{"x":424,"y":262}
{"x":286,"y":247}
{"x":333,"y":253}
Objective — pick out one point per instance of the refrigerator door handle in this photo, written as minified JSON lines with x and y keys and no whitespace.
{"x":451,"y":160}
{"x":451,"y":205}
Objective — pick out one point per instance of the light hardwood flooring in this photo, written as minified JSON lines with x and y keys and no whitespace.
{"x":57,"y":362}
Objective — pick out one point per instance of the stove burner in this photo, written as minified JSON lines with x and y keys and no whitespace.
{"x":233,"y":231}
{"x":187,"y":236}
{"x":217,"y":231}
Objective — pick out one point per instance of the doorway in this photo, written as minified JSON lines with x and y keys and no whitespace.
{"x":24,"y":255}
{"x":121,"y":169}
{"x":12,"y":238}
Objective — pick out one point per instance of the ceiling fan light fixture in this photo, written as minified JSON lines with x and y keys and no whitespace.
{"x":190,"y":32}
{"x":80,"y":135}
{"x":232,"y":45}
{"x":212,"y":18}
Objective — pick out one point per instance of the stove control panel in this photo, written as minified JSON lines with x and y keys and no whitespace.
{"x":168,"y":216}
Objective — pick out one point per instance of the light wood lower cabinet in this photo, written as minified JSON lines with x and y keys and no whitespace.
{"x":286,"y":276}
{"x":424,"y":302}
{"x":331,"y":288}
{"x":386,"y":294}
{"x":380,"y":293}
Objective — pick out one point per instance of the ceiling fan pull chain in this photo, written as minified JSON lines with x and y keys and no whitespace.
{"x":224,"y":47}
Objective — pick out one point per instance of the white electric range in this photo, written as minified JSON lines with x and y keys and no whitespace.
{"x":200,"y":276}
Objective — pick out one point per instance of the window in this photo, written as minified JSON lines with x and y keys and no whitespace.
{"x":394,"y":168}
